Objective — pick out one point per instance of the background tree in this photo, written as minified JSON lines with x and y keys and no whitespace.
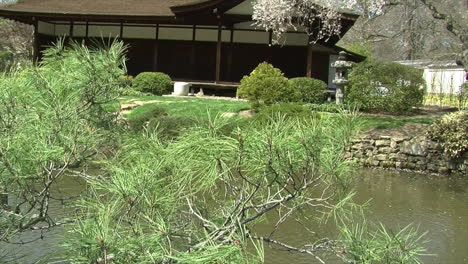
{"x":408,"y":30}
{"x":321,"y":20}
{"x":15,"y":44}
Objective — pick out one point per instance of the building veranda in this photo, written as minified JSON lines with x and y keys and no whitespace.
{"x":207,"y":41}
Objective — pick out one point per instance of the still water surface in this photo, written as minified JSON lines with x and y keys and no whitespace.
{"x":436,"y":204}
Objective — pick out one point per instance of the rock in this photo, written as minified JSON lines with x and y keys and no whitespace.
{"x":387,"y":164}
{"x":462,"y":167}
{"x":228,"y":115}
{"x":381,"y":157}
{"x":399,"y":139}
{"x":452,"y":165}
{"x":432,"y":167}
{"x":397,"y":156}
{"x":358,"y":155}
{"x":348,"y":155}
{"x":381,"y":143}
{"x":415,"y":148}
{"x":356,"y":146}
{"x":399,"y":164}
{"x":128,"y":106}
{"x":200,"y":93}
{"x":443,"y":170}
{"x":385,"y":137}
{"x":247,"y":113}
{"x":385,"y":150}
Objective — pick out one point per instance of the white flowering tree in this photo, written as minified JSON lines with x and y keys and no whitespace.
{"x":320,"y":19}
{"x":7,"y":2}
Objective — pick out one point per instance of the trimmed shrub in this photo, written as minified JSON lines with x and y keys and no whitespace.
{"x":385,"y":87}
{"x":127,"y":89}
{"x":157,"y":83}
{"x":139,"y":122}
{"x":451,"y":133}
{"x":266,"y":85}
{"x":309,"y":90}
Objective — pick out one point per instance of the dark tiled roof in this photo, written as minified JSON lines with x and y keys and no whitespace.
{"x":99,"y":7}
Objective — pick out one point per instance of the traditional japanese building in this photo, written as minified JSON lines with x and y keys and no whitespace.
{"x":196,"y":40}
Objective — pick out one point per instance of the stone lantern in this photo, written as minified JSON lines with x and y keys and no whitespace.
{"x":341,"y":75}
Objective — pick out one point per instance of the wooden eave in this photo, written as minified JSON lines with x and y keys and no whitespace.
{"x":31,"y":17}
{"x":205,"y":7}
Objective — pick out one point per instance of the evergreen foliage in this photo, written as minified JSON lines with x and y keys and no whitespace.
{"x":139,"y":122}
{"x":384,"y":87}
{"x":52,"y":118}
{"x":288,"y":110}
{"x":196,"y":199}
{"x":309,"y":90}
{"x":266,"y":85}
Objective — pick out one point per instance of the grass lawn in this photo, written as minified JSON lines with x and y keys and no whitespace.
{"x":389,"y":122}
{"x":188,"y":107}
{"x":202,"y":108}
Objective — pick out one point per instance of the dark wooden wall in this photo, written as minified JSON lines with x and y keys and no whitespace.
{"x":197,"y":60}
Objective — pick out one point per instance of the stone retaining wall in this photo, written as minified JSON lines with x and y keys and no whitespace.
{"x":408,"y":152}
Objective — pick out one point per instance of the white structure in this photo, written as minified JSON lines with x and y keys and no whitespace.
{"x":181,"y":88}
{"x":441,"y":76}
{"x":211,"y":41}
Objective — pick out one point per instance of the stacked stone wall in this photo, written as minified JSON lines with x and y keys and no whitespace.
{"x":416,"y":153}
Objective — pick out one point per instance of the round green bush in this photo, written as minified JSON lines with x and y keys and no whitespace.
{"x":384,"y":87}
{"x":451,"y":133}
{"x":266,"y":85}
{"x":157,"y":83}
{"x":310,"y":90}
{"x":463,"y":96}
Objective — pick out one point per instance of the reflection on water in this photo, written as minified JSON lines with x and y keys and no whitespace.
{"x":33,"y":246}
{"x":436,"y":204}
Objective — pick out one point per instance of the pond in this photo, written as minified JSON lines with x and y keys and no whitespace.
{"x":433,"y":203}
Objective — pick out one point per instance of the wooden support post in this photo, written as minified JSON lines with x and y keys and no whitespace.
{"x":270,"y":46}
{"x":35,"y":44}
{"x":229,"y":58}
{"x":121,"y":30}
{"x":192,"y":53}
{"x":309,"y":60}
{"x":155,"y":48}
{"x":218,"y":54}
{"x":87,"y":30}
